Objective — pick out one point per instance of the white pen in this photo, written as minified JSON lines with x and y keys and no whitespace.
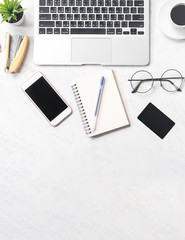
{"x":98,"y":103}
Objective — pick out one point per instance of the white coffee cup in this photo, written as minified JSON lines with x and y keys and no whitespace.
{"x":177,"y":15}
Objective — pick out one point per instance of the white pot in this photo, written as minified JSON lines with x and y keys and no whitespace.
{"x":19,"y":22}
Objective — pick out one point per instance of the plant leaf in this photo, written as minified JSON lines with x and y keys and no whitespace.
{"x":5,"y":19}
{"x":6,"y":2}
{"x":18,"y":10}
{"x":4,"y":12}
{"x":9,"y":9}
{"x":17,"y":4}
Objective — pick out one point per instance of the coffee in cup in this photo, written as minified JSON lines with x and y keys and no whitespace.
{"x":178,"y":15}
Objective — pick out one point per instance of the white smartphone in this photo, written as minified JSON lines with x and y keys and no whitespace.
{"x":46,"y":99}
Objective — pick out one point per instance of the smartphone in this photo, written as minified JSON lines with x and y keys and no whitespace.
{"x":46,"y":99}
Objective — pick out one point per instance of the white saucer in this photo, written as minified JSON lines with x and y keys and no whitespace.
{"x":166,"y":24}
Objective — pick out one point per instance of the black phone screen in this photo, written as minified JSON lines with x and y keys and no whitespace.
{"x":45,"y":97}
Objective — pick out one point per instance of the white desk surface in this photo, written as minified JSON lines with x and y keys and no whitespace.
{"x":56,"y":183}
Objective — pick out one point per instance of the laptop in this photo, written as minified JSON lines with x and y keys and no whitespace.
{"x":105,"y":32}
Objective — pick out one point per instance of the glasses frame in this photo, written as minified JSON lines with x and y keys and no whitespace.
{"x":161,"y":80}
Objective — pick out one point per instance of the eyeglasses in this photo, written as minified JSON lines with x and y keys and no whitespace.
{"x":142,"y":81}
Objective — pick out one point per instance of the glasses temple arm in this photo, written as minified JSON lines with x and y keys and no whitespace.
{"x":167,"y":80}
{"x":136,"y":88}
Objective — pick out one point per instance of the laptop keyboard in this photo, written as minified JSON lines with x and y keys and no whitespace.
{"x":111,"y":17}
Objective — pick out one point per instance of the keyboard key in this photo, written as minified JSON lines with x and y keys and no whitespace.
{"x":105,"y":17}
{"x":126,"y":32}
{"x":110,"y":31}
{"x":76,"y":16}
{"x":87,"y":24}
{"x":138,"y":17}
{"x":42,"y":3}
{"x":60,"y":9}
{"x":44,"y":9}
{"x":65,"y":23}
{"x":139,"y":3}
{"x":122,"y":3}
{"x":97,"y":10}
{"x":111,"y":10}
{"x":49,"y":2}
{"x":65,"y":31}
{"x":109,"y":24}
{"x":82,"y":10}
{"x":102,"y":24}
{"x":89,"y":10}
{"x":42,"y":31}
{"x":113,"y":17}
{"x":93,"y":3}
{"x":62,"y":17}
{"x":64,"y":2}
{"x":86,"y":3}
{"x":69,"y":16}
{"x":104,"y":9}
{"x":95,"y":24}
{"x":140,"y":10}
{"x":118,"y":31}
{"x":140,"y":33}
{"x":56,"y":2}
{"x":133,"y":10}
{"x":58,"y":23}
{"x":84,"y":17}
{"x":67,"y":10}
{"x":107,"y":2}
{"x":45,"y":16}
{"x":128,"y":17}
{"x":116,"y":24}
{"x":98,"y":17}
{"x":54,"y":16}
{"x":75,"y":10}
{"x":78,"y":2}
{"x":91,"y":17}
{"x":73,"y":24}
{"x":80,"y":23}
{"x":124,"y":24}
{"x":56,"y":30}
{"x":49,"y":30}
{"x":100,"y":2}
{"x":136,"y":24}
{"x":46,"y":23}
{"x":133,"y":31}
{"x":118,"y":10}
{"x":53,"y":9}
{"x":71,"y":3}
{"x":126,"y":10}
{"x":114,"y":2}
{"x":120,"y":17}
{"x":87,"y":30}
{"x":130,"y":3}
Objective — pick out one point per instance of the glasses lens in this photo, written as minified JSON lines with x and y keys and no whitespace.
{"x":142,"y":81}
{"x":172,"y":80}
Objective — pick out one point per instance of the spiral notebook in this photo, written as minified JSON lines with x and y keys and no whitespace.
{"x":112,"y":113}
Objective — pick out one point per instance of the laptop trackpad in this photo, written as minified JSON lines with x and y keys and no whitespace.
{"x":91,"y":50}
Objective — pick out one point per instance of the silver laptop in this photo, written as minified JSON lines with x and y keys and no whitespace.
{"x":106,"y":32}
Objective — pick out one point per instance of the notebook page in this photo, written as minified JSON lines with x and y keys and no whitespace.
{"x":112,"y":113}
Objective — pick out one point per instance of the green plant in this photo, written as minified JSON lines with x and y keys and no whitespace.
{"x":10,"y":9}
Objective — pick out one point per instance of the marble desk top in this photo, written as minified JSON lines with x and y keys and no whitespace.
{"x":56,"y":183}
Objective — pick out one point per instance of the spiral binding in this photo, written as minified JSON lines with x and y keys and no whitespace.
{"x":81,"y":109}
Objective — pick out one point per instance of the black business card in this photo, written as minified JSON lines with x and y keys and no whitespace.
{"x":156,"y":120}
